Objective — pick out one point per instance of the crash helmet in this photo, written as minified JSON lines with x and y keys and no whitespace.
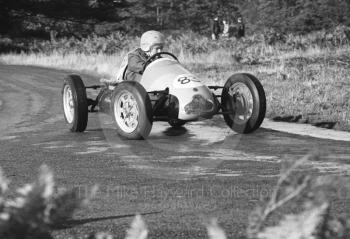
{"x":150,"y":39}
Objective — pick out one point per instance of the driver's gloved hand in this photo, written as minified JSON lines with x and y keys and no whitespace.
{"x":158,"y":57}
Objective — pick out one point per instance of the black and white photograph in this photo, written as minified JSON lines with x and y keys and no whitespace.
{"x":174,"y":119}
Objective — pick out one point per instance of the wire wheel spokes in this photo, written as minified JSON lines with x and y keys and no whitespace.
{"x":126,"y":112}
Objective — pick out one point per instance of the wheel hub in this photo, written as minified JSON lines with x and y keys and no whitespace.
{"x":68,"y":104}
{"x":242,"y":102}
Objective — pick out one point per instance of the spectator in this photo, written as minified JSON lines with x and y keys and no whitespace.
{"x":240,"y":28}
{"x":216,"y":29}
{"x":225,"y":32}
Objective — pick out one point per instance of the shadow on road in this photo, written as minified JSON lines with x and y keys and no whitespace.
{"x":175,"y":131}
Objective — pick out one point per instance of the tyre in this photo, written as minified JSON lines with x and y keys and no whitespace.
{"x":243,"y":103}
{"x":176,"y":123}
{"x":75,"y":105}
{"x":132,"y":110}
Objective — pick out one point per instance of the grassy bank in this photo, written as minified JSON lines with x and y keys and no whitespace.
{"x":305,"y":78}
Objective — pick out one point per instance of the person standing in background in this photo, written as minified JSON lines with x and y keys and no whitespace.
{"x":240,"y":28}
{"x":215,"y":29}
{"x":225,"y":31}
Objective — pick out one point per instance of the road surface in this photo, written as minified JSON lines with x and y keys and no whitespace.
{"x":177,"y":178}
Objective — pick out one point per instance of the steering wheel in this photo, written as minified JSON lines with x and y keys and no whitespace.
{"x":157,"y":55}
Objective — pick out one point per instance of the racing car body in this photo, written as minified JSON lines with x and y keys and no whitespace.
{"x":168,"y":92}
{"x":191,"y":97}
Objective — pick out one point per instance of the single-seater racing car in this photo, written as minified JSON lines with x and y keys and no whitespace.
{"x":167,"y":92}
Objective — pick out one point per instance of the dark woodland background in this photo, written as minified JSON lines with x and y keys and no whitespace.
{"x":79,"y":18}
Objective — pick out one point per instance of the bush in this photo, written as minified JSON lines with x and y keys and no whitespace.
{"x":251,"y":47}
{"x":272,"y":37}
{"x":36,"y":209}
{"x":315,"y":219}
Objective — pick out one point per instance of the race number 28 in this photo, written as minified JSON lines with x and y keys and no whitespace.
{"x":185,"y":80}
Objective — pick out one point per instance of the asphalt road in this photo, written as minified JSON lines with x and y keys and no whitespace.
{"x":177,"y":178}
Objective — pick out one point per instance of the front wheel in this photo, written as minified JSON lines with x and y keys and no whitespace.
{"x":243,"y":103}
{"x":132,"y":110}
{"x":75,"y":105}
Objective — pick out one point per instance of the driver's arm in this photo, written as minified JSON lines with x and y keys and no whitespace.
{"x":136,"y":63}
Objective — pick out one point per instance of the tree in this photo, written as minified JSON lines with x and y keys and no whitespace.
{"x":300,"y":16}
{"x":136,"y":16}
{"x":63,"y":11}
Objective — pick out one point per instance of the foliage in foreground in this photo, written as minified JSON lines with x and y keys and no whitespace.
{"x":315,"y":219}
{"x":36,"y":209}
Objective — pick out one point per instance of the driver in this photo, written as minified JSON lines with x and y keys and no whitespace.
{"x":151,"y":43}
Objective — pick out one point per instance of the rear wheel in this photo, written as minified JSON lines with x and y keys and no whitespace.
{"x":243,"y":103}
{"x":132,"y":110}
{"x":75,"y":104}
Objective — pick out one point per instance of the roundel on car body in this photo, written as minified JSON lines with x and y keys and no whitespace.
{"x":186,"y":81}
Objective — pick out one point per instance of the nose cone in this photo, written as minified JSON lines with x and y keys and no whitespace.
{"x":199,"y":106}
{"x":196,"y":103}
